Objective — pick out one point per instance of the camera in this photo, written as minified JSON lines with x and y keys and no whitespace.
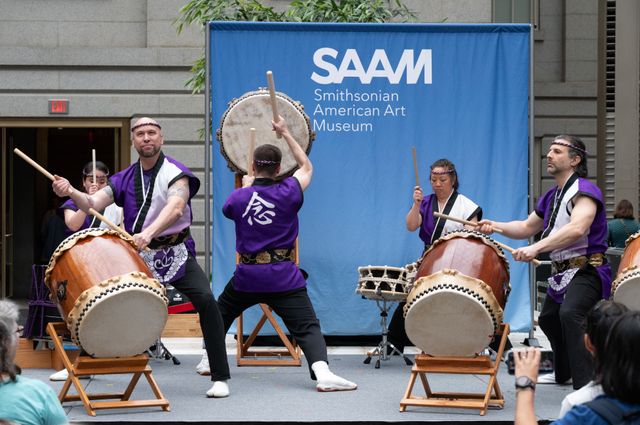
{"x":546,"y":362}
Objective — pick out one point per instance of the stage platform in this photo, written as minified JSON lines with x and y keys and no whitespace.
{"x":287,"y":395}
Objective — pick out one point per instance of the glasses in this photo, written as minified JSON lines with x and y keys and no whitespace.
{"x":19,"y":329}
{"x":99,"y":179}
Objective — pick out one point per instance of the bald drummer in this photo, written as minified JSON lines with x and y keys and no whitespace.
{"x":155,"y":193}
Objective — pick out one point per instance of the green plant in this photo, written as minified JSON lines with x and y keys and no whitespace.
{"x":202,"y":11}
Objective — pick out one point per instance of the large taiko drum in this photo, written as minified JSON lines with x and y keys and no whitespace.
{"x":626,"y":288}
{"x":253,"y":110}
{"x":105,"y":293}
{"x":460,"y":289}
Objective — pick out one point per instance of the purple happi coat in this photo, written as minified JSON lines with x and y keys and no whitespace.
{"x":143,"y":195}
{"x":458,"y":206}
{"x":555,"y":208}
{"x":266,"y":217}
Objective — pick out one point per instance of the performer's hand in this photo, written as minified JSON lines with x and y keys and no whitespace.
{"x":280,"y":127}
{"x":61,"y":186}
{"x":418,"y":196}
{"x":526,"y":253}
{"x":142,"y":239}
{"x":247,"y":180}
{"x":93,"y":188}
{"x":527,"y":362}
{"x":485,"y":226}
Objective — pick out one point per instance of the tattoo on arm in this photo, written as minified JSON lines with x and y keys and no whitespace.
{"x":179,"y":189}
{"x":109,"y":192}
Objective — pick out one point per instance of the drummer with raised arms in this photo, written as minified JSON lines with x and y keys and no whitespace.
{"x":446,"y":200}
{"x":155,"y":193}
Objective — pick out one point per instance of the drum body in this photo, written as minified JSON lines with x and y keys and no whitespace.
{"x":460,"y":289}
{"x":626,"y":288}
{"x":382,"y":283}
{"x":253,"y":110}
{"x":105,"y":292}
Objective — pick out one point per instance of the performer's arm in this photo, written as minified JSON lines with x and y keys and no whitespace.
{"x":527,"y":363}
{"x":414,"y":218}
{"x":75,"y":219}
{"x":518,"y":229}
{"x":98,"y":201}
{"x":177,"y":198}
{"x":305,"y":169}
{"x":582,"y":215}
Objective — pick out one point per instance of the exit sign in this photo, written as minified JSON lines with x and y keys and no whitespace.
{"x":58,"y":106}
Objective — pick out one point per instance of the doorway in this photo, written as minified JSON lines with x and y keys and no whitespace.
{"x":29,"y":205}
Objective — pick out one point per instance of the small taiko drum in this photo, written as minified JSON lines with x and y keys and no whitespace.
{"x":382,"y":283}
{"x":626,"y":288}
{"x":253,"y":110}
{"x":460,"y":289}
{"x":105,"y":293}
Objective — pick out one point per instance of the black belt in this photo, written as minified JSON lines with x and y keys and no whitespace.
{"x":576,"y":262}
{"x":268,"y":256}
{"x":169,"y":240}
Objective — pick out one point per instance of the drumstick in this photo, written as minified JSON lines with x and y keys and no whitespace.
{"x":111,"y":224}
{"x":252,"y":144}
{"x":272,"y":95}
{"x":36,"y":166}
{"x":415,"y":165}
{"x":471,"y":223}
{"x":461,"y":220}
{"x":93,"y":158}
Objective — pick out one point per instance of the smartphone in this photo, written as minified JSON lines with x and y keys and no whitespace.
{"x":546,"y":362}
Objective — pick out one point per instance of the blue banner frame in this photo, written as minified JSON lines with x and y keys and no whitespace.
{"x":374,"y":91}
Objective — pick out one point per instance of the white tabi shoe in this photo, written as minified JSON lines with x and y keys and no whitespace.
{"x":220,"y":389}
{"x":550,"y":378}
{"x":329,"y":381}
{"x":63,"y":374}
{"x":203,"y":366}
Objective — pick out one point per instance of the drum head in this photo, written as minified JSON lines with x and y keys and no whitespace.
{"x":253,"y":110}
{"x":449,"y":323}
{"x":451,"y":314}
{"x":123,"y":323}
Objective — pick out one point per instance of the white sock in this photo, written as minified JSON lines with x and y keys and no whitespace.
{"x":219,"y":389}
{"x":329,"y":381}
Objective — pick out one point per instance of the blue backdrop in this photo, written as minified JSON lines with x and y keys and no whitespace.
{"x":455,"y":91}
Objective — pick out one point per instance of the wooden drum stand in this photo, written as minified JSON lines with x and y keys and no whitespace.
{"x":85,"y":366}
{"x":480,"y":365}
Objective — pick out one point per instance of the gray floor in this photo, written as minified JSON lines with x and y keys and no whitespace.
{"x":286,"y":394}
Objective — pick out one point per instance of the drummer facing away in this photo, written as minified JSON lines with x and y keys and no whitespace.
{"x":155,"y":193}
{"x":265,"y":213}
{"x":573,"y":222}
{"x":447,"y":200}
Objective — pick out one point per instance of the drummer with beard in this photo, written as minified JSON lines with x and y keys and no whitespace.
{"x":446,"y":200}
{"x":265,"y":213}
{"x":155,"y":193}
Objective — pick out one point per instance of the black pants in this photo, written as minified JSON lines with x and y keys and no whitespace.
{"x":397,"y":333}
{"x":195,"y":285}
{"x":563,"y":324}
{"x":295,"y":309}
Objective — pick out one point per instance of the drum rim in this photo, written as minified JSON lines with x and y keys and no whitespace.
{"x":71,"y":240}
{"x":262,"y":92}
{"x":626,"y":274}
